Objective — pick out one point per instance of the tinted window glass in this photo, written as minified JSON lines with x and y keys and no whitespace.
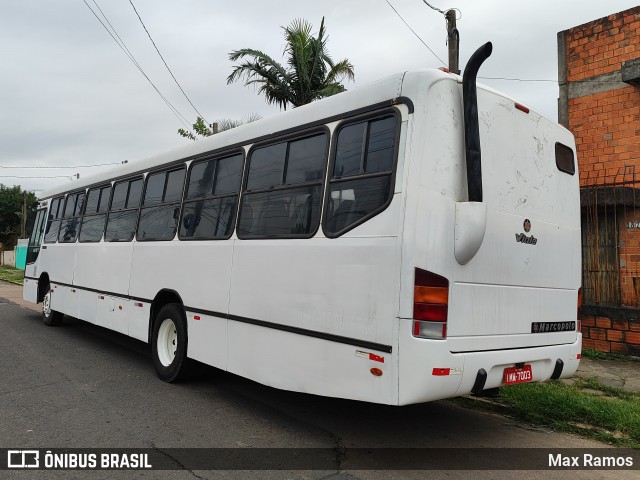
{"x":92,"y":228}
{"x":175,"y":182}
{"x":305,"y":162}
{"x":158,"y":223}
{"x":289,"y":212}
{"x":135,"y":192}
{"x":228,"y":175}
{"x":52,"y":231}
{"x":93,"y":200}
{"x":349,"y":150}
{"x":55,"y":205}
{"x":155,"y":188}
{"x":104,"y":199}
{"x":267,"y":166}
{"x":70,"y":205}
{"x":208,"y":218}
{"x":564,"y":159}
{"x":121,"y":226}
{"x":351,"y":201}
{"x":120,"y":196}
{"x":69,"y":230}
{"x":382,"y":137}
{"x":201,"y":179}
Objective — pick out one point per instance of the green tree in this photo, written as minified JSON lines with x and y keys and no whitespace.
{"x":201,"y":130}
{"x":310,"y":73}
{"x":11,"y":200}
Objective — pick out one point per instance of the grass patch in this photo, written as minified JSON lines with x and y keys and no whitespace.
{"x":593,"y":354}
{"x":597,"y":355}
{"x":609,"y":414}
{"x":10,"y":274}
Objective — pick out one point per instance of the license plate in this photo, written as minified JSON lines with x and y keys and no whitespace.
{"x":514,"y":375}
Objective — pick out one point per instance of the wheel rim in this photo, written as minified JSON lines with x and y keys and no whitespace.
{"x":167,"y":342}
{"x":46,"y":304}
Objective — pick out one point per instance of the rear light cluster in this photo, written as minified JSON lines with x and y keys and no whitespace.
{"x":430,"y":305}
{"x":579,"y":318}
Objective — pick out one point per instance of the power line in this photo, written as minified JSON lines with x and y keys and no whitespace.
{"x":165,"y":63}
{"x":417,"y":36}
{"x":434,"y":8}
{"x":65,"y":166}
{"x":126,"y":51}
{"x":28,"y":176}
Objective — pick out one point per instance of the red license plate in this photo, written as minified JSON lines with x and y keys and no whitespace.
{"x":514,"y":375}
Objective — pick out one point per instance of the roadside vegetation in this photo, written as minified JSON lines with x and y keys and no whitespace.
{"x":582,"y":406}
{"x":10,"y":274}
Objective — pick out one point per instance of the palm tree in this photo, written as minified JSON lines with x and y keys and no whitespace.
{"x":310,"y":73}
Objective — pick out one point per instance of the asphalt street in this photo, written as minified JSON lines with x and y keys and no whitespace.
{"x":81,"y":386}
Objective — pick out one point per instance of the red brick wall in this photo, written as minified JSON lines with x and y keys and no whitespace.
{"x":610,"y":334}
{"x":606,"y":124}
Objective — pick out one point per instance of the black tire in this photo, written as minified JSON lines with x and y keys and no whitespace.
{"x":50,"y":317}
{"x":169,"y":344}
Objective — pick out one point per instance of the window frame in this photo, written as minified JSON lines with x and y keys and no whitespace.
{"x":97,"y":213}
{"x":78,"y":216}
{"x":57,"y":218}
{"x":166,"y":170}
{"x":139,"y":176}
{"x":290,"y":137}
{"x":187,"y":180}
{"x":367,"y":117}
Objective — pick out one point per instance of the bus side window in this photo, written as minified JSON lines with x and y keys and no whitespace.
{"x":123,"y":213}
{"x":161,"y":206}
{"x":211,"y":199}
{"x":35,"y":239}
{"x":71,"y":218}
{"x":360,"y":184}
{"x":53,"y":222}
{"x":282,"y":198}
{"x":95,"y":214}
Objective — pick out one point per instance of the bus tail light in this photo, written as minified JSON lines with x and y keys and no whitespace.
{"x":430,"y":305}
{"x":579,"y":317}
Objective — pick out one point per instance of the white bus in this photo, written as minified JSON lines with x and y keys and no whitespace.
{"x":398,"y":243}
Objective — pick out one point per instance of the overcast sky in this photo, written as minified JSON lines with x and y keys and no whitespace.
{"x":69,"y":96}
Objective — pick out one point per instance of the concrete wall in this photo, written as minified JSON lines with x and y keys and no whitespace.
{"x":8,"y":258}
{"x":599,"y":98}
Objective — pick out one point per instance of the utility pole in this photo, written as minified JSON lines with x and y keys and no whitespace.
{"x":23,"y":223}
{"x":453,"y":40}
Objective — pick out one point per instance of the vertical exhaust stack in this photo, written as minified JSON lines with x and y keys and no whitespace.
{"x":471,"y":129}
{"x":471,"y":216}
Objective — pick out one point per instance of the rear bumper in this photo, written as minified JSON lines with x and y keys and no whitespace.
{"x":429,"y":371}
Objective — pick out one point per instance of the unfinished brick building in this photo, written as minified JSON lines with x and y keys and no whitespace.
{"x":599,"y":76}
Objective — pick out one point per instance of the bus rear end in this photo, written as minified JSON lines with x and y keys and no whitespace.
{"x":490,"y":285}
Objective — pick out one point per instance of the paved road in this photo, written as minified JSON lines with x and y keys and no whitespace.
{"x":78,"y":385}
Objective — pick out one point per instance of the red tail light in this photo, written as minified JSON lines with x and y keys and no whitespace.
{"x":579,"y":317}
{"x":430,"y":305}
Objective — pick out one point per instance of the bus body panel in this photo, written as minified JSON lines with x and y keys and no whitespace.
{"x":354,"y":294}
{"x":309,"y":365}
{"x":508,"y":285}
{"x":159,"y":266}
{"x":434,"y":372}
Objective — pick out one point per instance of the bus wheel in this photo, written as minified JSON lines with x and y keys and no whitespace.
{"x":169,"y":343}
{"x":50,"y":317}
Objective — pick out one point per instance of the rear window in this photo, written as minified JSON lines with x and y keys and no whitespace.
{"x":565,"y":160}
